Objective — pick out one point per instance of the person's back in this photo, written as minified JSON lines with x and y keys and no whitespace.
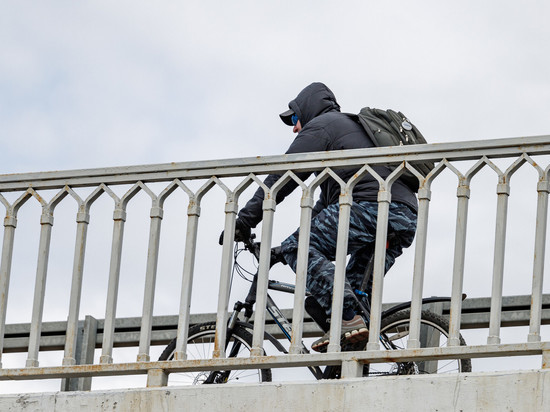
{"x":339,"y":131}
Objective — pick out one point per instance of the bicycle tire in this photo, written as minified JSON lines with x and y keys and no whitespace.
{"x":200,"y":343}
{"x":434,"y":333}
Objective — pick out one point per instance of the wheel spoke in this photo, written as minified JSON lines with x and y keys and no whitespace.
{"x":200,"y":345}
{"x":394,"y":334}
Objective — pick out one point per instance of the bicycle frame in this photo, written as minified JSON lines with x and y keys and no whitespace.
{"x":283,"y":323}
{"x":275,"y":312}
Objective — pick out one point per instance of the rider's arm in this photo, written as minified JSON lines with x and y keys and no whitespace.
{"x":310,"y":139}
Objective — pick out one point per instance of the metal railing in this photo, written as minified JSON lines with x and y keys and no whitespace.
{"x":522,"y":151}
{"x":475,"y":315}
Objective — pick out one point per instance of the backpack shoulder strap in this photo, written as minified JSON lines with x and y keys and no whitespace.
{"x":357,"y":118}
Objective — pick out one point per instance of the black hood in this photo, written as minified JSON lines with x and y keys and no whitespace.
{"x":313,"y":101}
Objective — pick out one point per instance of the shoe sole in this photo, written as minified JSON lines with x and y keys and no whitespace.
{"x":321,"y":347}
{"x":356,"y":335}
{"x":353,"y":336}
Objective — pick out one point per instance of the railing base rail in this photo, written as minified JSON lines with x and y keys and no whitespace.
{"x":282,"y":361}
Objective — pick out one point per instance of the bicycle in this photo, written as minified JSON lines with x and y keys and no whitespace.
{"x":394,"y":333}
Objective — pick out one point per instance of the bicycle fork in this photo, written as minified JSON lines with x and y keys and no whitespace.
{"x":222,"y":376}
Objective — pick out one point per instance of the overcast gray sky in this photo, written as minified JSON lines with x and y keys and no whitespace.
{"x":95,"y":84}
{"x":92,"y":84}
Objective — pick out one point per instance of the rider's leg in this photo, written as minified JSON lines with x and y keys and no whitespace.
{"x":402,"y":225}
{"x":401,"y":229}
{"x":358,"y":261}
{"x":322,"y":248}
{"x":322,"y":251}
{"x":362,"y":231}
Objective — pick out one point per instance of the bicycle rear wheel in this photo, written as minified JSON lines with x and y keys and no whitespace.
{"x":434,"y":332}
{"x":200,"y":345}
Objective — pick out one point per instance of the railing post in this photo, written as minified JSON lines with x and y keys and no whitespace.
{"x":543,"y":188}
{"x":430,"y":338}
{"x":424,"y":196}
{"x":150,"y":283}
{"x":503,"y":191}
{"x":10,"y":223}
{"x":301,"y":273}
{"x":156,"y":378}
{"x":463,"y":194}
{"x":119,"y":217}
{"x":384,"y":200}
{"x":351,"y":369}
{"x":193,"y":213}
{"x":82,"y":219}
{"x":346,"y":201}
{"x":46,"y":222}
{"x":269,"y":205}
{"x":231,"y":209}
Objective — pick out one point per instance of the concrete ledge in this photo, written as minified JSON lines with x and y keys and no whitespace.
{"x":517,"y":391}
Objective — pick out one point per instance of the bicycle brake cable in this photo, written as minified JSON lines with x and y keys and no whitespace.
{"x":237,"y":267}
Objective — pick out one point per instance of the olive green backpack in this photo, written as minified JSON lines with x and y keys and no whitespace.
{"x":391,"y":128}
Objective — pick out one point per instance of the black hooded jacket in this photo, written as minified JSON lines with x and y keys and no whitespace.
{"x":324,"y":128}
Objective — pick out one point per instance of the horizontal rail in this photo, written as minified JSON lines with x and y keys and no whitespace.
{"x":467,"y":150}
{"x":281,"y":361}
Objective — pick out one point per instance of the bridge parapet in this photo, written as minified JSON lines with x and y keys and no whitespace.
{"x":197,"y":179}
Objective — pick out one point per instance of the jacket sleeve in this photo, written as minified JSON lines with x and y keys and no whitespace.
{"x":319,"y":205}
{"x":310,"y":139}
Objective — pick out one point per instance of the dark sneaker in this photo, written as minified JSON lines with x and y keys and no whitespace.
{"x":354,"y":330}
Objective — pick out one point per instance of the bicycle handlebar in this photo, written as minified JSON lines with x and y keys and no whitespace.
{"x":254,"y":248}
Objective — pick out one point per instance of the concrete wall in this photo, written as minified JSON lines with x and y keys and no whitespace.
{"x":504,"y":391}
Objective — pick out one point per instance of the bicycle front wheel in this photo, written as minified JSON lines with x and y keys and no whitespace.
{"x":200,"y":345}
{"x":434,"y":332}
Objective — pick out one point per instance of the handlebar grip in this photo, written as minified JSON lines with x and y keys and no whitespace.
{"x":277,"y":256}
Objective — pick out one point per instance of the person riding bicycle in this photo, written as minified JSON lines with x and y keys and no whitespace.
{"x":320,"y":126}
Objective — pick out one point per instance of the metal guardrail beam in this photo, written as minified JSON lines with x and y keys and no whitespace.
{"x":475,"y":315}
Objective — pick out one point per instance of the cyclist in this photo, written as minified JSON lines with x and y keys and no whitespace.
{"x":320,"y":126}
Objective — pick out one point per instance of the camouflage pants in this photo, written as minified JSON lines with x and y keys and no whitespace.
{"x":362,"y":233}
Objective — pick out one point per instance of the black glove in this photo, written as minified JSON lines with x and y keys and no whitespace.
{"x":277,"y":256}
{"x":242,"y":232}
